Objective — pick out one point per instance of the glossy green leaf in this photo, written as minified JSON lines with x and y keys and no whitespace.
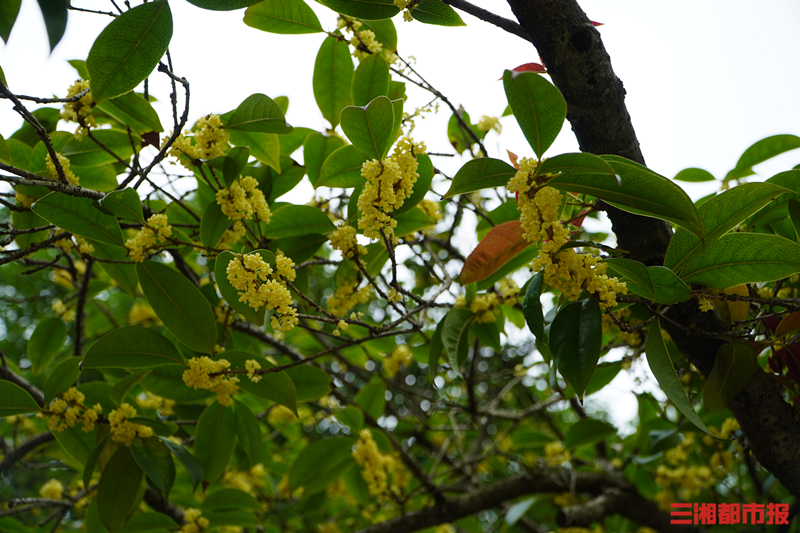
{"x":385,"y":33}
{"x":603,"y":375}
{"x":214,"y":440}
{"x":760,"y":152}
{"x":733,"y":368}
{"x":119,"y":392}
{"x":532,"y":307}
{"x":102,"y":178}
{"x":320,"y":463}
{"x":580,"y":163}
{"x":263,"y":146}
{"x":147,"y":523}
{"x":455,"y":336}
{"x":276,"y":386}
{"x":118,"y":491}
{"x":538,"y":106}
{"x":79,"y":216}
{"x":248,"y":431}
{"x":223,"y":5}
{"x":295,"y":220}
{"x":576,"y":337}
{"x":436,"y":347}
{"x":310,"y":382}
{"x":155,"y":460}
{"x":123,"y":275}
{"x":125,"y":204}
{"x":482,"y":173}
{"x":230,"y":499}
{"x":55,"y":19}
{"x":370,"y":80}
{"x":179,"y":304}
{"x":738,"y":258}
{"x":317,"y":148}
{"x":186,"y":459}
{"x":132,"y":347}
{"x":61,"y":378}
{"x":45,"y":343}
{"x":660,"y":354}
{"x":778,"y":208}
{"x":363,"y":9}
{"x":436,"y":12}
{"x":588,"y":431}
{"x":333,"y":77}
{"x":284,"y":181}
{"x":414,"y":220}
{"x":794,"y":216}
{"x":128,"y":49}
{"x":167,"y":381}
{"x":8,"y":15}
{"x":283,"y":16}
{"x":372,"y":399}
{"x":719,"y":215}
{"x":294,"y":140}
{"x":370,"y":128}
{"x":133,"y":111}
{"x":91,"y":462}
{"x":694,"y":175}
{"x":351,"y":417}
{"x":639,"y":190}
{"x":506,"y":212}
{"x":301,"y":248}
{"x":489,"y":335}
{"x":231,"y":295}
{"x":342,"y":168}
{"x":634,"y":274}
{"x":76,"y":443}
{"x":213,"y":225}
{"x":14,"y":400}
{"x":668,"y":287}
{"x":259,"y":114}
{"x":87,"y":153}
{"x":5,"y":154}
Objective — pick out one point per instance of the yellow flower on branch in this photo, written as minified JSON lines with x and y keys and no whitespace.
{"x":156,"y":230}
{"x":122,"y":429}
{"x":206,"y":373}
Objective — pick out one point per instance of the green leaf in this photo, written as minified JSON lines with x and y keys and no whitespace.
{"x":295,"y":220}
{"x":317,"y":148}
{"x":91,"y":462}
{"x":128,"y":49}
{"x":371,"y":79}
{"x":436,"y":347}
{"x":124,"y":204}
{"x":363,"y":9}
{"x":310,"y":382}
{"x":180,"y":305}
{"x":223,"y":5}
{"x":794,"y":216}
{"x":147,"y":523}
{"x":480,"y":174}
{"x":760,"y":152}
{"x":187,"y":460}
{"x":5,"y":154}
{"x":283,"y":16}
{"x":14,"y":400}
{"x":414,"y":220}
{"x":532,"y":307}
{"x":294,"y":140}
{"x":102,"y":178}
{"x":738,"y":258}
{"x":634,"y":274}
{"x":301,"y":248}
{"x":276,"y":386}
{"x":576,"y":337}
{"x":372,"y":398}
{"x":370,"y":128}
{"x":259,"y":114}
{"x":505,"y":213}
{"x":639,"y":190}
{"x":489,"y":335}
{"x":436,"y":12}
{"x":263,"y":146}
{"x":320,"y":463}
{"x":167,"y":381}
{"x":669,"y":288}
{"x":230,"y":499}
{"x":351,"y":417}
{"x":694,"y":175}
{"x":76,"y":443}
{"x":214,"y":440}
{"x":80,"y":217}
{"x":8,"y":15}
{"x":342,"y":168}
{"x":123,"y":275}
{"x":333,"y":77}
{"x":588,"y":431}
{"x":133,"y":111}
{"x":118,"y":491}
{"x":155,"y":460}
{"x":603,"y":375}
{"x":231,"y":295}
{"x":213,"y":225}
{"x":55,"y":19}
{"x":233,"y":163}
{"x":279,"y":183}
{"x":119,"y":392}
{"x":47,"y":340}
{"x":455,"y":336}
{"x":580,"y":163}
{"x":733,"y":368}
{"x":87,"y":153}
{"x":659,"y":359}
{"x":248,"y":431}
{"x":385,"y":33}
{"x":62,"y":377}
{"x":719,"y":215}
{"x":538,"y":106}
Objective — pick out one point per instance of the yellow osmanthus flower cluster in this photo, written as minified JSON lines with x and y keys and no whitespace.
{"x":210,"y":141}
{"x":488,"y":124}
{"x":704,"y":304}
{"x":251,"y":365}
{"x":566,"y":270}
{"x":555,"y":453}
{"x":195,"y":521}
{"x":199,"y":376}
{"x":432,"y":209}
{"x":232,"y":235}
{"x":407,"y":6}
{"x":249,"y":481}
{"x":52,"y":489}
{"x":400,"y":357}
{"x":344,"y":240}
{"x":122,"y":429}
{"x":164,"y":406}
{"x":62,"y":311}
{"x":156,"y":230}
{"x":346,"y":297}
{"x":363,"y":42}
{"x":142,"y":313}
{"x":248,"y":275}
{"x":632,"y":338}
{"x":68,"y":410}
{"x":486,"y":306}
{"x":52,"y":172}
{"x":79,"y":111}
{"x":377,"y":467}
{"x":244,"y":200}
{"x":279,"y":415}
{"x":24,"y":200}
{"x":688,"y":481}
{"x":389,"y":183}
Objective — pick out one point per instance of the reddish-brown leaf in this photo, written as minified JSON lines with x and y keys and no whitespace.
{"x":501,"y":245}
{"x":790,"y":324}
{"x":595,"y":24}
{"x":530,"y":67}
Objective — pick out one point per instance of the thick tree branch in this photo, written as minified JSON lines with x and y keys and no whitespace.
{"x":9,"y":375}
{"x":26,"y":447}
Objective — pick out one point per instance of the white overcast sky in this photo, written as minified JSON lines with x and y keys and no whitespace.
{"x":705,"y":79}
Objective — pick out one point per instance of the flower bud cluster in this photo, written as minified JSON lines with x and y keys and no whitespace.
{"x":79,"y":111}
{"x":156,"y":230}
{"x":248,"y":274}
{"x":244,"y":200}
{"x":68,"y":410}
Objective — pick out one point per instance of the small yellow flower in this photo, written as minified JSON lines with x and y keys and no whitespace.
{"x":156,"y":230}
{"x":52,"y":489}
{"x":123,"y":430}
{"x":252,"y":365}
{"x":199,"y":376}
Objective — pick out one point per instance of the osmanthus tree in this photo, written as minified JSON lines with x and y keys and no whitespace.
{"x":213,"y":359}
